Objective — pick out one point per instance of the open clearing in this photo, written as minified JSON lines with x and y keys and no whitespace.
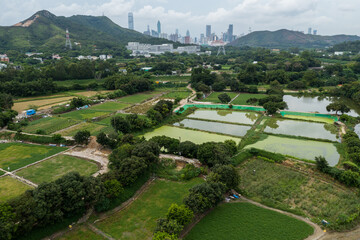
{"x":17,"y":155}
{"x":243,"y":97}
{"x":302,"y":149}
{"x":56,"y":167}
{"x":85,"y":114}
{"x":213,"y":97}
{"x":81,"y":233}
{"x":139,"y":97}
{"x":22,"y":106}
{"x":282,"y":187}
{"x":247,"y":221}
{"x":197,"y":137}
{"x":50,"y":124}
{"x":10,"y":188}
{"x":226,"y":116}
{"x":110,"y":106}
{"x":138,"y":221}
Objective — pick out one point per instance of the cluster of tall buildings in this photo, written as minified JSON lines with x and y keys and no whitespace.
{"x":313,"y":32}
{"x":205,"y":39}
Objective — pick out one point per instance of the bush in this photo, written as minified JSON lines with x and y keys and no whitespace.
{"x":224,"y":98}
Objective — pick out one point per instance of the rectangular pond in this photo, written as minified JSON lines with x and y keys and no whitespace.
{"x":303,"y":149}
{"x":226,"y":116}
{"x":217,"y":127}
{"x":303,"y":129}
{"x":189,"y":135}
{"x":318,"y":104}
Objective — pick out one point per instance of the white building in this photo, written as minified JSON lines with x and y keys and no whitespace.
{"x":139,"y":49}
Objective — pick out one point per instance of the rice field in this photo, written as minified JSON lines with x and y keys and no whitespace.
{"x":197,"y":137}
{"x":302,"y":149}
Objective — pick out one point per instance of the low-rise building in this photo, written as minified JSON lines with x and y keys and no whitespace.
{"x":139,"y":49}
{"x":4,"y":58}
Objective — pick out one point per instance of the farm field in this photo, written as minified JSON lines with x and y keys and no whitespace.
{"x":281,"y":187}
{"x":68,"y":83}
{"x":177,"y":94}
{"x":173,"y":79}
{"x":138,"y":221}
{"x":216,"y":127}
{"x":50,"y":124}
{"x":56,"y":167}
{"x":139,"y":97}
{"x":303,"y":129}
{"x":226,"y":116}
{"x":93,"y":128}
{"x":314,"y":119}
{"x":24,"y":105}
{"x":10,"y":188}
{"x":88,"y":93}
{"x":141,"y":108}
{"x":197,"y":137}
{"x":17,"y":155}
{"x":110,"y":106}
{"x":302,"y":149}
{"x":247,"y":221}
{"x":85,"y":114}
{"x":81,"y":233}
{"x":243,"y":97}
{"x":213,"y":97}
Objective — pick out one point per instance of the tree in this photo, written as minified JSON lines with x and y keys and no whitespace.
{"x":182,"y":214}
{"x":129,"y":169}
{"x":120,"y":153}
{"x":224,"y":98}
{"x":188,"y":149}
{"x":102,"y":139}
{"x":321,"y":164}
{"x":252,"y":101}
{"x":164,"y":236}
{"x":120,"y":124}
{"x":82,"y":137}
{"x":113,"y":188}
{"x":219,"y":86}
{"x":228,"y":175}
{"x":169,"y":226}
{"x":211,"y":153}
{"x":271,"y":108}
{"x":337,"y":107}
{"x":6,"y":101}
{"x":7,"y":221}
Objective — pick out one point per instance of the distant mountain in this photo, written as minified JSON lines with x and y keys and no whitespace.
{"x":285,"y":39}
{"x":45,"y":31}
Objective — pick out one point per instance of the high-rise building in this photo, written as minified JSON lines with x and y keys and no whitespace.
{"x":202,"y":38}
{"x":188,"y":33}
{"x":230,"y":33}
{"x":315,"y":32}
{"x":131,"y":21}
{"x":187,"y":40}
{"x":177,"y":32}
{"x":148,"y":32}
{"x":309,"y":30}
{"x":208,"y":31}
{"x":159,"y":27}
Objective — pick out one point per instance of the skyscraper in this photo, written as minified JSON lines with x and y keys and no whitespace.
{"x":315,"y":32}
{"x":131,"y":21}
{"x":208,"y":31}
{"x":188,"y":33}
{"x":309,"y":30}
{"x":230,"y":33}
{"x":159,"y":27}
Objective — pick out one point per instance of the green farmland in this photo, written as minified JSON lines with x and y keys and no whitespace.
{"x":243,"y":97}
{"x":50,"y":124}
{"x":247,"y":221}
{"x":213,"y":97}
{"x":139,"y":97}
{"x":85,"y":114}
{"x":10,"y":188}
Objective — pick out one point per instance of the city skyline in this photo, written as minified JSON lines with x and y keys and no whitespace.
{"x":331,"y":16}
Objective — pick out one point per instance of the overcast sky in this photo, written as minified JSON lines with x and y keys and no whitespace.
{"x":329,"y":17}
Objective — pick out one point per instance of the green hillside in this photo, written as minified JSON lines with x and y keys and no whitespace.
{"x":44,"y":31}
{"x":286,"y":39}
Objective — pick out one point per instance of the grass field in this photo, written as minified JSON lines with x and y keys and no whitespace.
{"x":24,"y":105}
{"x":213,"y":97}
{"x":177,"y":94}
{"x":85,"y":114}
{"x":138,"y":221}
{"x":56,"y":167}
{"x":197,"y":137}
{"x":243,"y":97}
{"x":81,"y":233}
{"x":281,"y":187}
{"x":247,"y":221}
{"x":173,"y":79}
{"x":93,"y":128}
{"x":17,"y":155}
{"x":139,"y":97}
{"x":10,"y":187}
{"x":314,"y":119}
{"x":303,"y":149}
{"x":50,"y":124}
{"x":110,"y":106}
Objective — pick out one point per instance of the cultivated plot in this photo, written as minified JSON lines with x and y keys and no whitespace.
{"x":17,"y":155}
{"x":85,"y":114}
{"x":50,"y":125}
{"x":303,"y":149}
{"x":51,"y":100}
{"x":110,"y":106}
{"x":10,"y":188}
{"x":303,"y":129}
{"x":56,"y":167}
{"x":213,"y":97}
{"x":139,"y":97}
{"x":243,"y":97}
{"x":93,"y":128}
{"x":216,"y":127}
{"x":138,"y":221}
{"x":194,"y":136}
{"x":247,"y":221}
{"x":226,"y":116}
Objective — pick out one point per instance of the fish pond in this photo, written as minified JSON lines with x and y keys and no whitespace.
{"x":226,"y":116}
{"x":300,"y":128}
{"x":197,"y":137}
{"x":302,"y":149}
{"x":318,"y":104}
{"x":217,"y":127}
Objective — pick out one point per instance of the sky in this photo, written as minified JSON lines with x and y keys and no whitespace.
{"x":329,"y":17}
